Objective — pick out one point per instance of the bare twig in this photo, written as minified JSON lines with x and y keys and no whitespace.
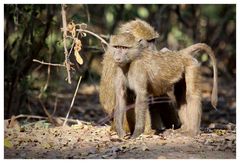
{"x":73,"y":43}
{"x":67,"y":64}
{"x":46,"y":112}
{"x":55,"y":106}
{"x":49,"y":70}
{"x":70,"y":37}
{"x":50,"y":64}
{"x":37,"y":68}
{"x":94,"y":34}
{"x":49,"y":67}
{"x":105,"y":36}
{"x":29,"y":106}
{"x":48,"y":78}
{"x":87,"y":13}
{"x":152,"y":100}
{"x":28,"y":116}
{"x":73,"y":99}
{"x":42,"y":117}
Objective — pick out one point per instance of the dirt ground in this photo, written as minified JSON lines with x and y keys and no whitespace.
{"x":86,"y":138}
{"x":88,"y":141}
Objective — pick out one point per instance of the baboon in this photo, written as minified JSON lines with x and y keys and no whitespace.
{"x":159,"y":112}
{"x":140,"y":30}
{"x":146,"y":71}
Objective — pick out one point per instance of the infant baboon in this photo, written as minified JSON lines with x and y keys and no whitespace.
{"x":159,"y":111}
{"x":140,"y":30}
{"x":154,"y":72}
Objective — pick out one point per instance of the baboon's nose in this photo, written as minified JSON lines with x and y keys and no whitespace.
{"x":118,"y":59}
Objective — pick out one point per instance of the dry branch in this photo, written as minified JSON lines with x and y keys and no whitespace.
{"x":73,"y":99}
{"x":153,"y":100}
{"x":42,"y":117}
{"x":55,"y":106}
{"x":49,"y":64}
{"x":67,"y":62}
{"x":94,"y":34}
{"x":46,"y":112}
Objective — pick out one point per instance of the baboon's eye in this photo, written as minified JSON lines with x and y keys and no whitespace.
{"x":121,"y":47}
{"x":124,"y":47}
{"x":117,"y":47}
{"x":151,"y":41}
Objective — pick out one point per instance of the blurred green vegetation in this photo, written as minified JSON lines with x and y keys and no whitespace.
{"x":34,"y":32}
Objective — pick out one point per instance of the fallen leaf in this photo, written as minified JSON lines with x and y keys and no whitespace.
{"x":46,"y":145}
{"x":8,"y":143}
{"x":220,"y":132}
{"x":78,"y":126}
{"x":145,"y":148}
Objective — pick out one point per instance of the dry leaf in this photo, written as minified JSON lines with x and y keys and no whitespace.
{"x":46,"y":145}
{"x":83,"y":34}
{"x":83,"y":26}
{"x":73,"y":33}
{"x":78,"y":57}
{"x":71,"y":27}
{"x":78,"y":45}
{"x":220,"y":132}
{"x":8,"y":143}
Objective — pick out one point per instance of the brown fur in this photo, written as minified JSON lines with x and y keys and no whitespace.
{"x":199,"y":47}
{"x":152,"y":72}
{"x":140,"y":29}
{"x":158,"y":112}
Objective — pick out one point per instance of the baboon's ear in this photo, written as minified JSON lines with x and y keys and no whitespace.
{"x":142,"y":43}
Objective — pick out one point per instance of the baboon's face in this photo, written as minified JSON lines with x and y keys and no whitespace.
{"x":123,"y":55}
{"x":120,"y":55}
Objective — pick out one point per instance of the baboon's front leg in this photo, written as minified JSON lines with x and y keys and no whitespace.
{"x":141,"y":106}
{"x":120,"y":109}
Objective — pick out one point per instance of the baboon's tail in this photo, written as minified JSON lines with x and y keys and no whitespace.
{"x":199,"y":47}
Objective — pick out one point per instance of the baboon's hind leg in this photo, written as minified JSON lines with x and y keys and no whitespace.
{"x":193,"y":99}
